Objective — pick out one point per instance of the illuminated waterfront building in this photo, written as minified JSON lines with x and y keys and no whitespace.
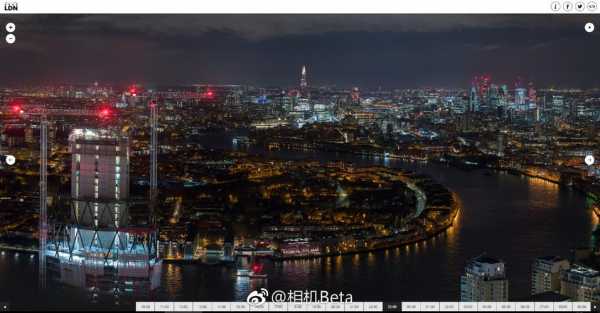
{"x":99,"y":177}
{"x":97,"y":247}
{"x":580,"y":283}
{"x":484,"y":279}
{"x":545,"y":274}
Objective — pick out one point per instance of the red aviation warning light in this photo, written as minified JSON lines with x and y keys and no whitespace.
{"x":208,"y":95}
{"x":104,"y":113}
{"x":257,"y":268}
{"x":133,"y":91}
{"x":15,"y":108}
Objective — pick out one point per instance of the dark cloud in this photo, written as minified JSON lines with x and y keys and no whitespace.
{"x":364,"y":50}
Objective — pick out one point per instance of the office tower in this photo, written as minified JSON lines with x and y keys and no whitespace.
{"x":532,"y":96}
{"x":580,"y":283}
{"x":286,"y":103}
{"x":558,"y":104}
{"x":494,"y":96}
{"x":304,"y":83}
{"x":98,"y":248}
{"x":545,"y":274}
{"x":520,"y":97}
{"x":484,"y":279}
{"x":473,"y":100}
{"x":482,"y":86}
{"x":233,"y":102}
{"x":355,"y":96}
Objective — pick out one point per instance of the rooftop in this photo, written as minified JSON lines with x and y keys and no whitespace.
{"x":486,"y":259}
{"x":94,"y":134}
{"x":584,"y":271}
{"x":551,"y":258}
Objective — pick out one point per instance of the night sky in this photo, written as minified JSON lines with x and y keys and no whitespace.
{"x":392,"y":51}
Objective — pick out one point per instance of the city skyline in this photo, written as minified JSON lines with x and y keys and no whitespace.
{"x":392,"y":51}
{"x":205,"y":158}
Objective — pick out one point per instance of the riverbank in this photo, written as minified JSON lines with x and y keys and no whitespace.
{"x":549,"y":175}
{"x":399,"y":240}
{"x":13,"y":248}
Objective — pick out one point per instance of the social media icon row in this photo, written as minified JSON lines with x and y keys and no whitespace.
{"x":579,"y":6}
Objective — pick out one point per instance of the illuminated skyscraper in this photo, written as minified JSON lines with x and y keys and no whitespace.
{"x":545,"y":274}
{"x":558,"y":104}
{"x":303,"y":81}
{"x":493,"y":96}
{"x":98,"y":248}
{"x":99,"y":177}
{"x":484,"y":280}
{"x":520,"y":97}
{"x":580,"y":284}
{"x":473,"y":100}
{"x":482,"y":84}
{"x":532,"y":96}
{"x":304,"y":92}
{"x":355,"y":96}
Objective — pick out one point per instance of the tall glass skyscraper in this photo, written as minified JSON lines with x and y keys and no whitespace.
{"x":97,"y":247}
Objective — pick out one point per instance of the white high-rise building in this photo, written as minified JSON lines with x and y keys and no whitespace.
{"x":580,"y":283}
{"x":545,"y":274}
{"x":484,"y":280}
{"x":99,"y":177}
{"x":98,"y":236}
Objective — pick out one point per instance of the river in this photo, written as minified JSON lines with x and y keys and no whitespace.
{"x":511,"y":217}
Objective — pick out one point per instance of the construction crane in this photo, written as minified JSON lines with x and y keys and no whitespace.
{"x":153,"y":158}
{"x":43,"y":113}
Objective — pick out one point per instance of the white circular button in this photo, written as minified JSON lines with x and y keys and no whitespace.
{"x":555,"y":6}
{"x":10,"y":38}
{"x":589,"y":160}
{"x":592,"y":6}
{"x":10,"y":159}
{"x":589,"y":27}
{"x":567,"y":6}
{"x":10,"y":27}
{"x":579,"y":6}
